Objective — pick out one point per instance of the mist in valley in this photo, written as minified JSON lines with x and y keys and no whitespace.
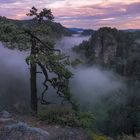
{"x":14,"y":79}
{"x":66,"y":44}
{"x":88,"y":84}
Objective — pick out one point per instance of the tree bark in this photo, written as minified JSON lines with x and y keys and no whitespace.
{"x":33,"y":84}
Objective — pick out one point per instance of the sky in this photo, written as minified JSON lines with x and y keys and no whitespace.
{"x":122,"y":14}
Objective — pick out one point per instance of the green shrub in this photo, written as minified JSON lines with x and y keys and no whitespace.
{"x":57,"y":115}
{"x":65,"y":116}
{"x":95,"y":136}
{"x":86,"y":119}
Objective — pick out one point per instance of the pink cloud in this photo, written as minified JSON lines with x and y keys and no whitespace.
{"x":80,"y":13}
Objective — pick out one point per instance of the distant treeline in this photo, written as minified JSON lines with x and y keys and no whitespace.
{"x":115,"y":49}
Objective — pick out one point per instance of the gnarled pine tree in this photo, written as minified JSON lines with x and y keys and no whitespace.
{"x":42,"y":54}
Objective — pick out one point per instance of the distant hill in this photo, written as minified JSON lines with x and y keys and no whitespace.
{"x":76,"y":29}
{"x":55,"y":28}
{"x":87,"y":32}
{"x":131,"y":30}
{"x":83,"y":32}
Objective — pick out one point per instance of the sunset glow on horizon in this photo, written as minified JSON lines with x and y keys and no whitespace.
{"x":80,"y":13}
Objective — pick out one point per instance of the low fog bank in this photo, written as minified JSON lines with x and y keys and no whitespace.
{"x":14,"y":79}
{"x":90,"y":84}
{"x":66,"y":44}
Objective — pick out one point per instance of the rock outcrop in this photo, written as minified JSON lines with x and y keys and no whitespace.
{"x":11,"y":129}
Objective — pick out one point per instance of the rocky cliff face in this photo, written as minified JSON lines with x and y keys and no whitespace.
{"x":105,"y":46}
{"x":101,"y":47}
{"x":113,"y":49}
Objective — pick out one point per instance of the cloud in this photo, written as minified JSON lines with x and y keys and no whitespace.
{"x":95,"y":16}
{"x":80,"y":13}
{"x":8,"y":1}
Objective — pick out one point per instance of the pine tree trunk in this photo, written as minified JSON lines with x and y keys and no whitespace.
{"x":33,"y":84}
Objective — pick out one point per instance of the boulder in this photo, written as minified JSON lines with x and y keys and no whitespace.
{"x":14,"y":130}
{"x":4,"y":114}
